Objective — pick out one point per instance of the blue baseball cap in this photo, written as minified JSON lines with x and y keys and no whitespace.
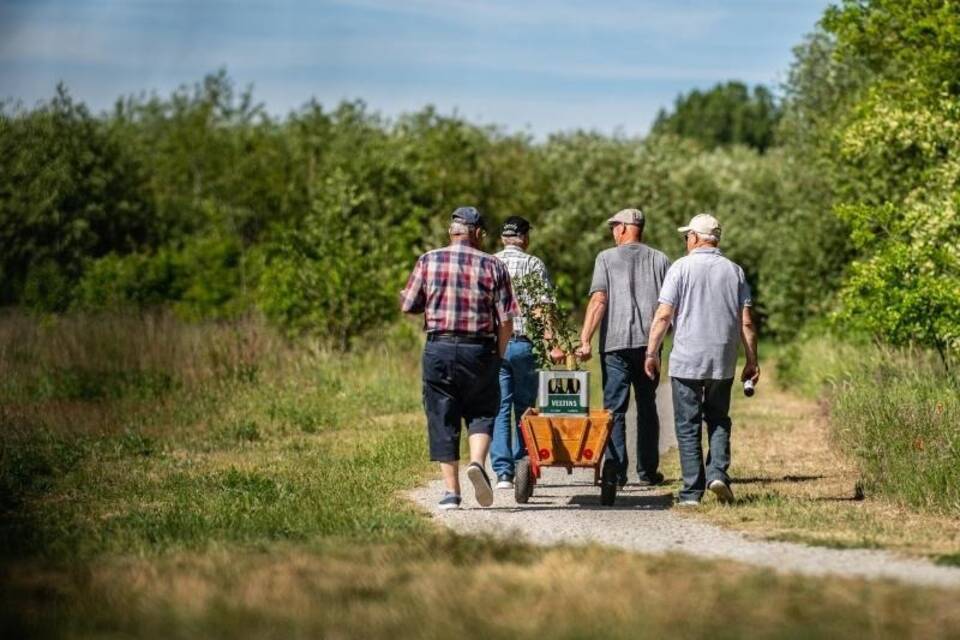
{"x":468,"y":215}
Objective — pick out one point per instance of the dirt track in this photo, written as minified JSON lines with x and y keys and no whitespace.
{"x":565,"y":509}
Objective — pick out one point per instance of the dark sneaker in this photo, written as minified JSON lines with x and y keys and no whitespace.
{"x":504,"y":482}
{"x":481,"y":484}
{"x":449,"y":501}
{"x":722,"y":491}
{"x":653,"y":482}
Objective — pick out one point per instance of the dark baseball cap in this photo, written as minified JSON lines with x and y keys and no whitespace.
{"x":514,"y":226}
{"x":468,"y":215}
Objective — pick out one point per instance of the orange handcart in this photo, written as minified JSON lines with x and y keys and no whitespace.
{"x":557,"y":440}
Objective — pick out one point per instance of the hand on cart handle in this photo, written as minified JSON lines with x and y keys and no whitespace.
{"x":558,"y":355}
{"x":583,"y":351}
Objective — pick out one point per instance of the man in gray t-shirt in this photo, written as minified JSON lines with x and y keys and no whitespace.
{"x":707,"y":298}
{"x":623,"y":299}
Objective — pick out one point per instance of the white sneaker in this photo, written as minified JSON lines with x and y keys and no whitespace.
{"x":504,"y":482}
{"x":722,"y":491}
{"x":481,"y":484}
{"x":689,"y":502}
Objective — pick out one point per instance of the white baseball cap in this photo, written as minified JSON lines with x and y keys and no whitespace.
{"x":703,"y":223}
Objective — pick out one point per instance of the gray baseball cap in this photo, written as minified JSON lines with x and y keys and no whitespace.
{"x":626,"y":216}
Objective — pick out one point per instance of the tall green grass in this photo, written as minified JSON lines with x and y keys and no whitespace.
{"x":250,"y":439}
{"x":896,"y":412}
{"x":265,"y":504}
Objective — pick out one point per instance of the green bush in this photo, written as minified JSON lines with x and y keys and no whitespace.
{"x":337,"y":275}
{"x":132,"y":281}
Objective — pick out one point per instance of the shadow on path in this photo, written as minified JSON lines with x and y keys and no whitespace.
{"x":765,"y":480}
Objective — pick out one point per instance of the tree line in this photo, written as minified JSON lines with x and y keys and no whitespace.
{"x":837,"y":198}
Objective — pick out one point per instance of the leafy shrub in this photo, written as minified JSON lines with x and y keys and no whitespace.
{"x":337,"y":275}
{"x":899,"y":148}
{"x":206,"y":278}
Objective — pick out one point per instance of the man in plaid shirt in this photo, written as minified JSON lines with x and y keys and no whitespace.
{"x":468,"y":308}
{"x":518,"y":370}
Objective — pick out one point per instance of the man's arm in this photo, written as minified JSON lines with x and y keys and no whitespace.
{"x":596,"y":309}
{"x":507,"y":307}
{"x":504,"y":332}
{"x":658,"y":330}
{"x":413,"y":296}
{"x":748,"y":334}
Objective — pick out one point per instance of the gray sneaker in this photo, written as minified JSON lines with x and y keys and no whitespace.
{"x":481,"y":484}
{"x":722,"y":491}
{"x":449,"y":501}
{"x":654,"y":481}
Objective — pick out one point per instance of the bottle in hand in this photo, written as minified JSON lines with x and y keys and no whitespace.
{"x":748,"y":388}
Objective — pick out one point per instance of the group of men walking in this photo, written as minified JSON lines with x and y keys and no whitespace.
{"x":479,"y":367}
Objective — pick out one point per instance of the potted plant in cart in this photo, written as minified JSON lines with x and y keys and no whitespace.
{"x":561,"y":430}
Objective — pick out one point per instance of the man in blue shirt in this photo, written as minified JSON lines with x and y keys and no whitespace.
{"x":707,"y":298}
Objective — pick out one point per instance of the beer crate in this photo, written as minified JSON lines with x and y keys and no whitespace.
{"x":564,"y":393}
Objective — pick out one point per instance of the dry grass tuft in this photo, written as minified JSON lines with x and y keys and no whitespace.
{"x":428,"y":590}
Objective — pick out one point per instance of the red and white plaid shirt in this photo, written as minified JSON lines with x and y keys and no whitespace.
{"x":460,"y":289}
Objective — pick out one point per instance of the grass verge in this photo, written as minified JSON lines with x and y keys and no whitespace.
{"x":794,"y":483}
{"x":266,"y":505}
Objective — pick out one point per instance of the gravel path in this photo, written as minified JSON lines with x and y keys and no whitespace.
{"x":565,"y":509}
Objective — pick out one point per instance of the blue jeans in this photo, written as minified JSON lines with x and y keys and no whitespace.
{"x":518,"y":392}
{"x":621,"y":370}
{"x":696,"y":402}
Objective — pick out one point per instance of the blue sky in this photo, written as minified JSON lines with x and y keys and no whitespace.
{"x":536,"y":65}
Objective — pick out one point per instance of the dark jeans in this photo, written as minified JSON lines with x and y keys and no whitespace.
{"x":620,"y":370}
{"x":459,"y":384}
{"x":518,"y":392}
{"x":696,"y":402}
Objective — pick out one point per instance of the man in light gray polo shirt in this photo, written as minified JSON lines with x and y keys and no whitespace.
{"x":707,"y":298}
{"x":623,"y":299}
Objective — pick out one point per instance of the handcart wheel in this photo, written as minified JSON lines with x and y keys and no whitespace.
{"x":522,"y":481}
{"x":608,"y":483}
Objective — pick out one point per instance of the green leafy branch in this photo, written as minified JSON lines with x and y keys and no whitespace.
{"x":547,"y":322}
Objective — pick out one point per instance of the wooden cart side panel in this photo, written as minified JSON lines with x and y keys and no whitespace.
{"x":530,"y":440}
{"x":564,"y":439}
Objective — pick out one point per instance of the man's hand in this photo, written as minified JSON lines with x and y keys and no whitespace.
{"x":596,"y":309}
{"x":658,"y":329}
{"x":583,"y":351}
{"x":557,"y":355}
{"x":751,"y":371}
{"x":651,"y":365}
